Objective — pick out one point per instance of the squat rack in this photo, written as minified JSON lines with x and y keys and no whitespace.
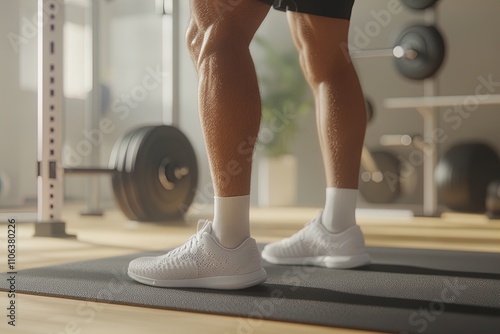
{"x":50,"y":107}
{"x":50,"y":118}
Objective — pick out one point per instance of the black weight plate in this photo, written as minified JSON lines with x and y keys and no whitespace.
{"x":116,"y":162}
{"x":430,"y":47}
{"x":388,"y":189}
{"x":143,"y":164}
{"x":419,"y":4}
{"x":131,"y":191}
{"x":161,"y":143}
{"x":463,"y":175}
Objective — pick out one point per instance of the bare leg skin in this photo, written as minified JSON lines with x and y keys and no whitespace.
{"x":230,"y":108}
{"x":229,"y":98}
{"x":340,"y":111}
{"x":340,"y":106}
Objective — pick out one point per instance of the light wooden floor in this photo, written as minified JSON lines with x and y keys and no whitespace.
{"x":112,"y":235}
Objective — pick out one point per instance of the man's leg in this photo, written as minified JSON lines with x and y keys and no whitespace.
{"x":221,"y":255}
{"x":230,"y":107}
{"x":335,"y":239}
{"x":340,"y":110}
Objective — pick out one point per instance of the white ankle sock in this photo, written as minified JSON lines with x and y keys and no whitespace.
{"x":340,"y":207}
{"x":231,"y":224}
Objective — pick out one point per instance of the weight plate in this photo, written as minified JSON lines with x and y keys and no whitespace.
{"x":146,"y":176}
{"x":116,"y":162}
{"x":130,"y":191}
{"x":384,"y":185}
{"x":430,"y":47}
{"x":419,"y":4}
{"x":463,"y":174}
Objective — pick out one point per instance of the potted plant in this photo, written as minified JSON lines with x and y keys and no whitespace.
{"x":286,"y":97}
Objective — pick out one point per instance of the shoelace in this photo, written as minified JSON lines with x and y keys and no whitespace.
{"x":192,"y":242}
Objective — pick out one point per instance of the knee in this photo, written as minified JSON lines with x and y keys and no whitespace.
{"x":214,"y":41}
{"x":323,"y":65}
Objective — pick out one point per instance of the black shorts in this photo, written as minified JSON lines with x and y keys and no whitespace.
{"x":339,"y":9}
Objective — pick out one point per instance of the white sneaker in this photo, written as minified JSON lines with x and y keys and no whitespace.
{"x":202,"y":263}
{"x":315,"y":245}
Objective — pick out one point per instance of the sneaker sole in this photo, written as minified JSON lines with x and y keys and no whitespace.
{"x":333,"y":262}
{"x":215,"y":282}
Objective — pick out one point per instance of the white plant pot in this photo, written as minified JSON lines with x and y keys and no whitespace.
{"x":277,"y":180}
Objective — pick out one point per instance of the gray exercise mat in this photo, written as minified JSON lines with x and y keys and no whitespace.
{"x":402,"y":291}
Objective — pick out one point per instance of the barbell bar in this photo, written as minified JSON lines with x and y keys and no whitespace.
{"x":88,"y":171}
{"x":177,"y":173}
{"x":404,"y":140}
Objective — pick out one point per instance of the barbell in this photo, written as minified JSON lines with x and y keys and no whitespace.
{"x":154,"y":173}
{"x":418,"y":53}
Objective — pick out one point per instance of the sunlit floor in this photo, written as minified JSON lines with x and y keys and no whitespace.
{"x":113,"y":235}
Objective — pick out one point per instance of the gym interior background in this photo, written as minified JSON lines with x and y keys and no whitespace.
{"x":130,"y":48}
{"x":126,"y":56}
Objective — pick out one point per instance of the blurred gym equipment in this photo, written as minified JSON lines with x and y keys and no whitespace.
{"x":427,"y":107}
{"x":379,"y":181}
{"x":463,"y":175}
{"x":418,"y":53}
